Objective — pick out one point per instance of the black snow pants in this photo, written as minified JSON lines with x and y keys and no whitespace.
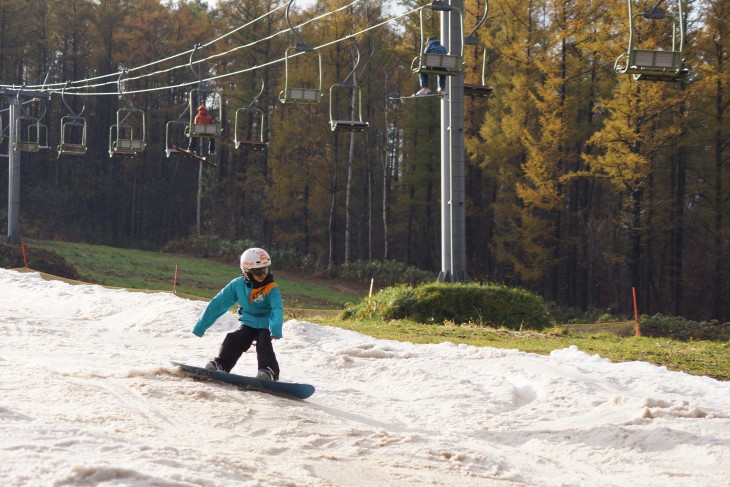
{"x":237,"y":342}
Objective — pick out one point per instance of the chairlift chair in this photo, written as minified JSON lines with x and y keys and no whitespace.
{"x":242,"y":128}
{"x":655,"y":64}
{"x":73,"y":131}
{"x":249,"y":122}
{"x":30,"y":134}
{"x":25,"y":139}
{"x":42,"y":135}
{"x":299,"y":94}
{"x":127,"y":136}
{"x":175,"y":130}
{"x":354,"y":125}
{"x":213,"y":101}
{"x":73,"y":136}
{"x":474,"y":89}
{"x":450,"y":64}
{"x":479,"y":89}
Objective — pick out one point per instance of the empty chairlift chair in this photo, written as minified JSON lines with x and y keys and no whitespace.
{"x":655,"y":64}
{"x":73,"y":132}
{"x":175,"y":134}
{"x":354,"y":122}
{"x":248,"y":129}
{"x":478,"y":89}
{"x":307,"y":90}
{"x":27,"y":134}
{"x":73,"y":136}
{"x":127,"y":136}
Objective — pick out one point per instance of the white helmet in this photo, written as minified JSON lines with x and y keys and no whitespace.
{"x":254,"y":258}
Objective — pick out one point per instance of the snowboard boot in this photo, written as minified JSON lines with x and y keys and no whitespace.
{"x":266,"y":374}
{"x":214,"y":365}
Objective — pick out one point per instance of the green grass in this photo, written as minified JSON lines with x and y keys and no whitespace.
{"x":197,"y":278}
{"x":203,"y":278}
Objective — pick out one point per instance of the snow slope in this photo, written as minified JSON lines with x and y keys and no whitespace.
{"x":87,"y":397}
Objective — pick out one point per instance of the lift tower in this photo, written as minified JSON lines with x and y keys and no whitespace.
{"x":15,"y":101}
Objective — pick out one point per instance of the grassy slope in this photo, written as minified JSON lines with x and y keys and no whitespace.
{"x":203,"y":278}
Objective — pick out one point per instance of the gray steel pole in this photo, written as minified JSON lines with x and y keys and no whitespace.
{"x":13,"y":175}
{"x":456,"y":100}
{"x":453,"y":212}
{"x":446,"y":263}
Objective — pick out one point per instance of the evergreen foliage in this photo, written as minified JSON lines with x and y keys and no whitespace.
{"x":679,"y":328}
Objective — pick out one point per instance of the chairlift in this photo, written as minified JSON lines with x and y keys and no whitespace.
{"x":42,"y":135}
{"x":449,"y":64}
{"x":300,"y":94}
{"x":175,"y":132}
{"x":26,"y":139}
{"x":255,"y":125}
{"x":127,"y":136}
{"x":478,"y":89}
{"x":73,"y":136}
{"x":355,"y":124}
{"x":30,"y":134}
{"x":73,"y":132}
{"x":213,"y":101}
{"x":655,"y":64}
{"x":249,"y":125}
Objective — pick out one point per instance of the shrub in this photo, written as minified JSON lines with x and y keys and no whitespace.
{"x":11,"y":256}
{"x":208,"y":246}
{"x":292,"y":260}
{"x":680,"y":328}
{"x":385,"y":272}
{"x":486,"y":304}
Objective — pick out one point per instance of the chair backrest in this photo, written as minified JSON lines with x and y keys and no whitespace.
{"x":656,"y":59}
{"x":206,"y":130}
{"x":302,"y":95}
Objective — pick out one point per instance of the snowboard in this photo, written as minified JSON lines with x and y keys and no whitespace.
{"x":301,"y":391}
{"x":401,"y":98}
{"x":192,"y":155}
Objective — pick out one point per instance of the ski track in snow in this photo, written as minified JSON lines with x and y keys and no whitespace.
{"x":88,"y":397}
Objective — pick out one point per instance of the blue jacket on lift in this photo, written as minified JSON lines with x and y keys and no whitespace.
{"x":434,"y":46}
{"x":260,"y":304}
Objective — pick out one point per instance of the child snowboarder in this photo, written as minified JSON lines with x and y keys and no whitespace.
{"x":261,"y":315}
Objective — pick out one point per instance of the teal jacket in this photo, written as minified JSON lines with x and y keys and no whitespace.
{"x":261,"y":305}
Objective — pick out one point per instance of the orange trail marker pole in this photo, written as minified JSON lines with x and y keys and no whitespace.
{"x":174,"y":284}
{"x":25,"y":260}
{"x":637,"y":330}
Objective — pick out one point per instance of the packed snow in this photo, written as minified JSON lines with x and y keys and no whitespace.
{"x":88,"y":397}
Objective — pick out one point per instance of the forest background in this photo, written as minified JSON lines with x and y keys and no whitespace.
{"x":581,"y":183}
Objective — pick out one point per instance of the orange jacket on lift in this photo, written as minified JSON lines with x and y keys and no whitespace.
{"x":202,"y":116}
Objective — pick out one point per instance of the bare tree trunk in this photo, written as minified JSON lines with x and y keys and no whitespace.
{"x":348,"y":187}
{"x":198,"y":226}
